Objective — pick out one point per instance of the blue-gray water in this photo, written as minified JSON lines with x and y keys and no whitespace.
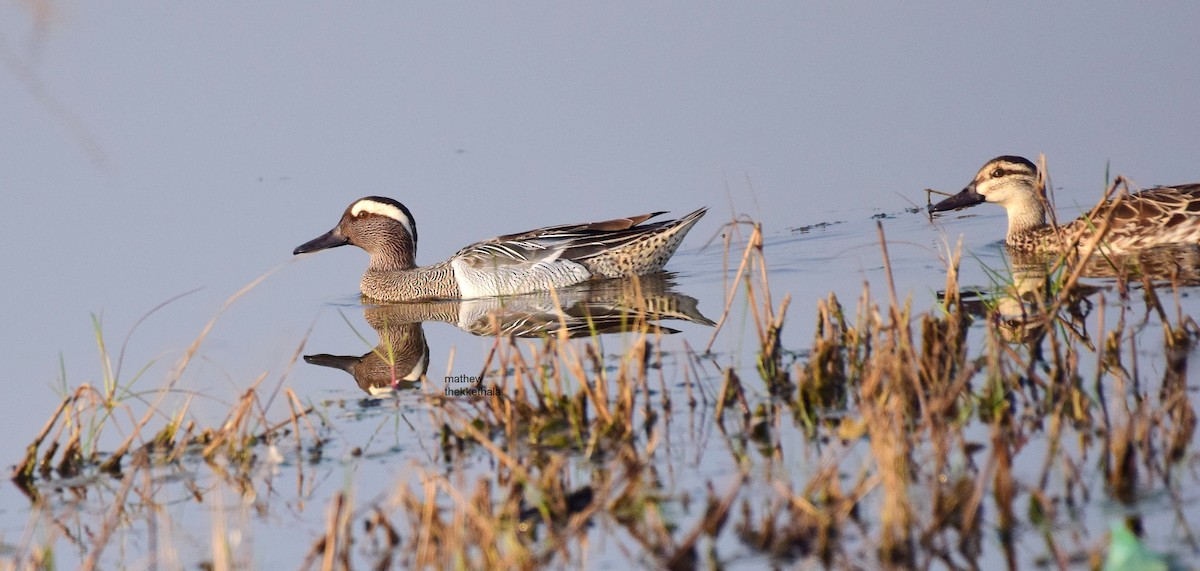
{"x":146,"y":151}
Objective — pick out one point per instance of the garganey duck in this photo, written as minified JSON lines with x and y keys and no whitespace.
{"x":1154,"y":217}
{"x":537,"y":260}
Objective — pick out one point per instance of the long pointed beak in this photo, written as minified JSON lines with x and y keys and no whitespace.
{"x":330,"y":239}
{"x":968,"y":197}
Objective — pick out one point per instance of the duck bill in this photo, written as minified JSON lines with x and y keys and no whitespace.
{"x":968,"y":197}
{"x":343,"y":362}
{"x":330,"y":239}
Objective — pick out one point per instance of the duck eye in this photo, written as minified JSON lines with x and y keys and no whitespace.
{"x":997,"y":173}
{"x":362,"y":214}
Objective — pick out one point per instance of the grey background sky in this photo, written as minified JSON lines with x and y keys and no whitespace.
{"x":148,"y":149}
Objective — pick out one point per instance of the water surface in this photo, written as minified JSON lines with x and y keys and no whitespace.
{"x":143,"y":159}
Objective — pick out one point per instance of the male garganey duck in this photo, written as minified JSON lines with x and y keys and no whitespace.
{"x":552,"y":257}
{"x":1154,"y":217}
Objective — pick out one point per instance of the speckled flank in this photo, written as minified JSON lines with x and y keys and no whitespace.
{"x":1155,"y":217}
{"x":1151,"y":218}
{"x":647,"y":254}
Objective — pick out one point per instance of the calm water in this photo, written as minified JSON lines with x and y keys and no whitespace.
{"x":143,"y":159}
{"x":373,"y":445}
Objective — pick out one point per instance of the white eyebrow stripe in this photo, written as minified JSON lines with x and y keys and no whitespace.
{"x":383,"y":210}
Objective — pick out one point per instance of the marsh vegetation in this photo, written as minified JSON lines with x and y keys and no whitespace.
{"x":1005,"y":425}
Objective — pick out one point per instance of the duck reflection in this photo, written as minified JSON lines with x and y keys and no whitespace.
{"x":1036,"y":298}
{"x":1177,"y":264}
{"x":1041,"y":292}
{"x":401,"y":358}
{"x":398,"y":362}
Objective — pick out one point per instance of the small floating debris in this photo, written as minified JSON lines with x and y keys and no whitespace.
{"x":811,"y":227}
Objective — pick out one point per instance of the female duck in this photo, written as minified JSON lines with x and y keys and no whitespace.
{"x":1154,"y":217}
{"x":552,"y":257}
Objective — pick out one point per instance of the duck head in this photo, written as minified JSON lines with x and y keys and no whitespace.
{"x":381,"y":226}
{"x":1009,"y":181}
{"x":1003,"y":180}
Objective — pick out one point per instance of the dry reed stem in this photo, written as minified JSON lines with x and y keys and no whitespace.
{"x":23,"y":472}
{"x":114,"y":520}
{"x":287,"y":370}
{"x":465,"y":425}
{"x":683,"y":554}
{"x":296,"y":410}
{"x":887,"y":266}
{"x":752,"y":245}
{"x":220,"y":553}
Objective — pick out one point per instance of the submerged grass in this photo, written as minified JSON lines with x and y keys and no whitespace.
{"x":904,"y":439}
{"x":894,"y":389}
{"x":87,"y":410}
{"x":161,"y":440}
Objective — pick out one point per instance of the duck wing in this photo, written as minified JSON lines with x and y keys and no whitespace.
{"x":1159,"y":206}
{"x":566,"y":241}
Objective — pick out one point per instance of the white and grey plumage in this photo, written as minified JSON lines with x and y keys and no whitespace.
{"x":1154,"y":217}
{"x":541,"y":259}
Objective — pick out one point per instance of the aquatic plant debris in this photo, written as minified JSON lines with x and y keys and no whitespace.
{"x":982,"y":428}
